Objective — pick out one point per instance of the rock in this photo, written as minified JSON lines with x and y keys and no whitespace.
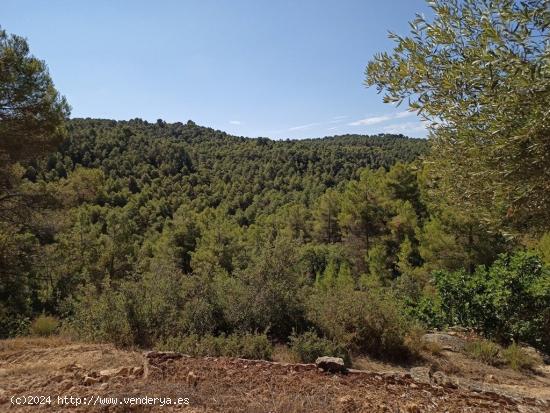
{"x":121,"y":371}
{"x":446,"y":341}
{"x":88,"y":380}
{"x":137,"y":371}
{"x":421,"y":374}
{"x":533,"y":353}
{"x":490,"y":378}
{"x":163,"y":355}
{"x":331,"y":364}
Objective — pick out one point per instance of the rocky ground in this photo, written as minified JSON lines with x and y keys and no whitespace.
{"x":103,"y":378}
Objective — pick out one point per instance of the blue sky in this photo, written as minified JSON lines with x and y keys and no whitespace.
{"x":280,"y":69}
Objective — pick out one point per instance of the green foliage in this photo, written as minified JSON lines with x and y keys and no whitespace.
{"x":484,"y":351}
{"x":508,"y":301}
{"x":44,"y":325}
{"x":369,"y":322}
{"x":425,"y":307}
{"x":188,"y":238}
{"x":31,"y":110}
{"x":363,"y":215}
{"x":17,"y":281}
{"x":102,"y":316}
{"x":309,"y":346}
{"x":326,"y":226}
{"x":478,"y":72}
{"x":248,"y":346}
{"x":266,"y":295}
{"x":543,"y":248}
{"x":488,"y":352}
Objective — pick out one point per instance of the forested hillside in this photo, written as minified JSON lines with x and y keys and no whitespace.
{"x":181,"y":237}
{"x":208,"y":168}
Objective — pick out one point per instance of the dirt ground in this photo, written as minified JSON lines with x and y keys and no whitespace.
{"x":103,"y":378}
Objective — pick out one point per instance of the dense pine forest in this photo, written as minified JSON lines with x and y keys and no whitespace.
{"x":181,"y":237}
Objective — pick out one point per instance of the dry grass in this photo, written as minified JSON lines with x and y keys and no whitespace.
{"x":484,"y":351}
{"x":22,"y":343}
{"x":518,"y":359}
{"x":283,"y":354}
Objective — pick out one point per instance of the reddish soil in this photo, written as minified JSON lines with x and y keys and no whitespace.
{"x":55,"y":367}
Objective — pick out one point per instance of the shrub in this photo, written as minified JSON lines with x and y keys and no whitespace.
{"x":509,"y":300}
{"x":484,"y":351}
{"x":145,"y":310}
{"x":309,"y":346}
{"x":44,"y":325}
{"x":517,"y":358}
{"x":371,"y":322}
{"x":266,"y":294}
{"x":102,"y":317}
{"x":249,"y":346}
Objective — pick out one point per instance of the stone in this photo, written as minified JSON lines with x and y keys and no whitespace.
{"x":121,"y":371}
{"x":446,"y":341}
{"x":163,"y":355}
{"x":490,"y":378}
{"x":421,"y":374}
{"x":88,"y":380}
{"x":331,"y":364}
{"x":533,"y":353}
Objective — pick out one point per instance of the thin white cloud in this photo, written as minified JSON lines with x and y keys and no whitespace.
{"x":306,"y":126}
{"x":407,"y":127}
{"x":374,"y":120}
{"x":340,"y":117}
{"x":235,"y":122}
{"x":335,"y":119}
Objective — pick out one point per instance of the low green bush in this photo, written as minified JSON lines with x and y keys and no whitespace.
{"x":484,"y":351}
{"x":307,"y":347}
{"x":517,"y":358}
{"x":509,"y":299}
{"x":102,"y":317}
{"x":44,"y":325}
{"x":364,"y":322}
{"x":248,"y":346}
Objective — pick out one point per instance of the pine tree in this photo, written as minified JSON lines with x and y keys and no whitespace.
{"x":325,"y":225}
